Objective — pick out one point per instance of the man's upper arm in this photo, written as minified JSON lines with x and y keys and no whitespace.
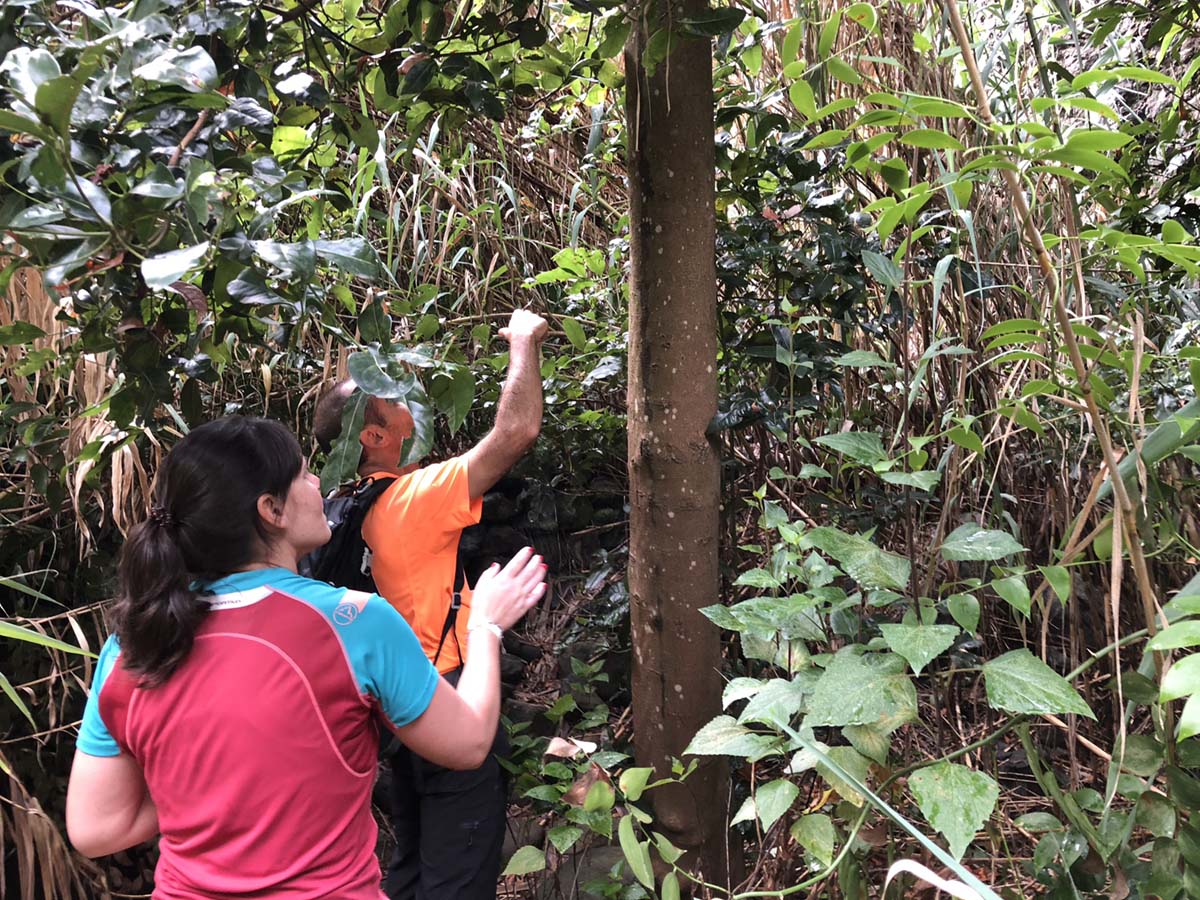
{"x":487,"y":462}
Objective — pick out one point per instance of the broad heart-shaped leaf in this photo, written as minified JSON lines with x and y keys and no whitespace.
{"x":723,"y":736}
{"x":922,"y":481}
{"x":964,"y":609}
{"x":816,"y":834}
{"x":525,"y":861}
{"x":919,"y":644}
{"x":955,"y":800}
{"x":773,"y":799}
{"x":563,"y":837}
{"x":864,"y":447}
{"x":1015,"y":590}
{"x":862,"y":690}
{"x":712,"y":22}
{"x":869,"y":565}
{"x":160,"y":271}
{"x":353,"y":255}
{"x":973,"y":542}
{"x":341,"y":465}
{"x":1020,"y":682}
{"x":251,"y":288}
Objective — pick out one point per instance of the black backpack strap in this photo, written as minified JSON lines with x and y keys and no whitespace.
{"x":460,"y":579}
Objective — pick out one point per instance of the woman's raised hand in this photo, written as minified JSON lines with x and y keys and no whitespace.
{"x":503,"y":595}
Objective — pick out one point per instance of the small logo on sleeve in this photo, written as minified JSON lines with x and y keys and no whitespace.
{"x":348,"y":610}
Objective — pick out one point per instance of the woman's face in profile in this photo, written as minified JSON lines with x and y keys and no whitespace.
{"x":304,"y":514}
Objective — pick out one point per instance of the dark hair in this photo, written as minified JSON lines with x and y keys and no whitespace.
{"x":203,"y":524}
{"x":327,"y":420}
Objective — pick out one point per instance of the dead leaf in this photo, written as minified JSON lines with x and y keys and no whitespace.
{"x":568,"y":748}
{"x":579,"y":790}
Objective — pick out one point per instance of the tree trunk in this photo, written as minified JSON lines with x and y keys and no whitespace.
{"x":674,"y":479}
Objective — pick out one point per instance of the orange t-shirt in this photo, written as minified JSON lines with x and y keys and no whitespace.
{"x":413,"y":530}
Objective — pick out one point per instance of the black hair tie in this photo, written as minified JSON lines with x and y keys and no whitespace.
{"x":161,"y":517}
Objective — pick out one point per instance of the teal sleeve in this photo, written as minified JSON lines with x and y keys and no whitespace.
{"x":388,"y":662}
{"x":94,"y":738}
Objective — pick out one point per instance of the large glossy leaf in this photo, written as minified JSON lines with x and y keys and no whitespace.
{"x":862,"y":690}
{"x":773,"y":799}
{"x":955,"y":800}
{"x":973,"y":542}
{"x":353,"y":255}
{"x":341,"y":466}
{"x":723,"y":736}
{"x":816,"y":834}
{"x":525,"y":861}
{"x":869,"y":565}
{"x":192,"y":69}
{"x":864,"y":447}
{"x":1019,"y":682}
{"x":162,"y":270}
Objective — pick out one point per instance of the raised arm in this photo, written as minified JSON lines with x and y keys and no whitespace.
{"x":519,"y":412}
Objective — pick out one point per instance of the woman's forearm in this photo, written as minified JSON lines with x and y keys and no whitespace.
{"x":479,"y":686}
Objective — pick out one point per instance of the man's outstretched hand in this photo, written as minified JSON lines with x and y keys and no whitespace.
{"x":525,"y":323}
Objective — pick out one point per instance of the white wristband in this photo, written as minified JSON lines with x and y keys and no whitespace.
{"x":487,"y":626}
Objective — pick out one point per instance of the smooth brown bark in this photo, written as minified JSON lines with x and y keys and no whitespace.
{"x":674,"y":479}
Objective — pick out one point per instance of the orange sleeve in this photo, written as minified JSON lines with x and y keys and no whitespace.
{"x":435,"y":499}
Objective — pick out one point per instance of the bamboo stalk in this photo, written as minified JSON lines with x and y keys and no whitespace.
{"x":1033,"y":235}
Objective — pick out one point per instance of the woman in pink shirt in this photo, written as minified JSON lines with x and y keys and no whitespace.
{"x":236,"y":710}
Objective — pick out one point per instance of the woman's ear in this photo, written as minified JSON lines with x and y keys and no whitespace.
{"x":270,"y":508}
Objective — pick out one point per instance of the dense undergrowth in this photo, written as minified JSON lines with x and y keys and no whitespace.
{"x":939,"y":605}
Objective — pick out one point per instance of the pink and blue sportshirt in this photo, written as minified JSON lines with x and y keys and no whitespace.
{"x":260,"y":750}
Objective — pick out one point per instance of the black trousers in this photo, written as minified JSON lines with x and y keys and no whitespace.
{"x":449,"y":827}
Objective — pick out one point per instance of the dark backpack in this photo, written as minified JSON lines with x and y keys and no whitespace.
{"x":345,"y":561}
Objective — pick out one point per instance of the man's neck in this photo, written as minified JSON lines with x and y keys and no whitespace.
{"x":370,"y":467}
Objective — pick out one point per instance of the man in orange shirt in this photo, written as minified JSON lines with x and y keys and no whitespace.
{"x":449,"y":825}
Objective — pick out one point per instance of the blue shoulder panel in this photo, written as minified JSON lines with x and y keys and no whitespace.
{"x":94,"y":737}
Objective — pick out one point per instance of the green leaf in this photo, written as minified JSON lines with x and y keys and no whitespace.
{"x":1015,"y":591}
{"x":1059,"y":578}
{"x":563,"y":837}
{"x":192,"y":69}
{"x":29,"y":636}
{"x":829,"y":34}
{"x":966,"y":439}
{"x":864,"y":447}
{"x":600,"y":797}
{"x":883,"y":269}
{"x":778,"y":701}
{"x":1189,"y":719}
{"x":723,"y":736}
{"x":636,"y":854}
{"x":1182,"y":679}
{"x":919,"y":644}
{"x":712,"y":23}
{"x":19,"y":333}
{"x":921,"y":481}
{"x":964,"y":609}
{"x":846,"y":761}
{"x":670,"y":887}
{"x":863,"y":359}
{"x":973,"y":542}
{"x":1019,"y":682}
{"x":163,"y":270}
{"x":860,"y":690}
{"x":633,"y":782}
{"x":353,"y":255}
{"x":525,"y":861}
{"x":341,"y":465}
{"x":774,"y":799}
{"x":802,"y":97}
{"x":931,"y":139}
{"x":816,"y":834}
{"x":574,"y":333}
{"x":294,"y":261}
{"x":1173,"y":637}
{"x":955,"y":800}
{"x":10,"y":691}
{"x":869,"y":565}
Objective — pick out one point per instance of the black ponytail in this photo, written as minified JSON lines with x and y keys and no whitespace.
{"x":204,"y":524}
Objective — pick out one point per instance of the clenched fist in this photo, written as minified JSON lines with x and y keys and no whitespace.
{"x":525,"y":323}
